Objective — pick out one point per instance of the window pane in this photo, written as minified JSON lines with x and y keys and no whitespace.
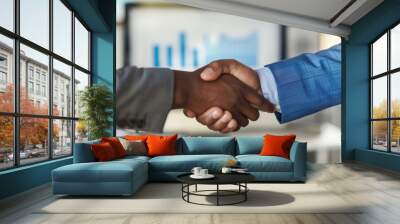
{"x":81,"y":131}
{"x":395,"y":136}
{"x":33,"y":139}
{"x":379,"y":56}
{"x":7,"y":14}
{"x":62,"y":89}
{"x":395,"y":94}
{"x":6,"y":142}
{"x":62,"y":138}
{"x":62,"y":29}
{"x":81,"y":45}
{"x":379,"y":135}
{"x":81,"y":81}
{"x":34,"y":72}
{"x":379,"y":97}
{"x":6,"y":74}
{"x":395,"y":47}
{"x":35,"y":21}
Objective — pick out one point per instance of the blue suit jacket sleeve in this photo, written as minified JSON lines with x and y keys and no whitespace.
{"x":308,"y":83}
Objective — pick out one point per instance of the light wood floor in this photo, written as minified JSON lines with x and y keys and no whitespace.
{"x":379,"y":189}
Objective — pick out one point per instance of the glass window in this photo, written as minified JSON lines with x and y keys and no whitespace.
{"x":6,"y":73}
{"x":395,"y":47}
{"x":62,"y":138}
{"x":6,"y":142}
{"x":7,"y":14}
{"x":379,"y":98}
{"x":34,"y":21}
{"x":40,"y":62}
{"x":395,"y":95}
{"x":379,"y":135}
{"x":33,"y":140}
{"x":62,"y":29}
{"x":395,"y":136}
{"x":81,"y":82}
{"x":379,"y":56}
{"x":62,"y":72}
{"x":388,"y":81}
{"x":81,"y":131}
{"x":34,"y":79}
{"x":81,"y":45}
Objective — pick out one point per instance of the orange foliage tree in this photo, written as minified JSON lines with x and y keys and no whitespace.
{"x":33,"y":131}
{"x":380,"y":127}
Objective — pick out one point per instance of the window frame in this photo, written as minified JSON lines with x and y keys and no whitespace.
{"x":16,"y":114}
{"x":388,"y":74}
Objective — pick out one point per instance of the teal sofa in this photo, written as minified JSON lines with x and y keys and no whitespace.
{"x":125,"y":176}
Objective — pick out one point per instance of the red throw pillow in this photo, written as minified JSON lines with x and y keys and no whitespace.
{"x":277,"y":145}
{"x":103,"y":152}
{"x":161,"y":145}
{"x":136,"y":137}
{"x":116,"y":145}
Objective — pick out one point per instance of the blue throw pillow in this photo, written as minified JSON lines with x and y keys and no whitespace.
{"x":249,"y":145}
{"x":207,"y":145}
{"x":83,"y":152}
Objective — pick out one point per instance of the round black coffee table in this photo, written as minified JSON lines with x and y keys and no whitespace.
{"x":238,"y":179}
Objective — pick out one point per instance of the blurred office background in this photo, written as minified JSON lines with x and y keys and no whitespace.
{"x":160,"y":34}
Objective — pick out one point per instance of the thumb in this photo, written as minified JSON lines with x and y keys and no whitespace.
{"x":212,"y":72}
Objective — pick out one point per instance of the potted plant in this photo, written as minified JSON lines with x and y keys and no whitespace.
{"x":96,"y":103}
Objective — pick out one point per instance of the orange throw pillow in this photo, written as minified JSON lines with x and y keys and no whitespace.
{"x":277,"y":145}
{"x":161,"y":145}
{"x":116,"y":145}
{"x":103,"y":152}
{"x":136,"y":137}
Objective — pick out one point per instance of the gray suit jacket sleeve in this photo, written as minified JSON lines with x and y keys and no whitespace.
{"x":144,"y":97}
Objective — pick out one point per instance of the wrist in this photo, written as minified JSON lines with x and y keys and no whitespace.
{"x":180,"y":89}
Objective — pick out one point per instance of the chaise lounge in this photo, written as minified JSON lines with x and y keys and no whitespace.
{"x":125,"y":176}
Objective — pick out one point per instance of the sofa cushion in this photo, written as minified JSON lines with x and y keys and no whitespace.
{"x":103,"y":152}
{"x":159,"y":145}
{"x":120,"y":170}
{"x":207,"y":145}
{"x":185,"y":163}
{"x":116,"y":145}
{"x":257,"y":163}
{"x":83,"y":152}
{"x":277,"y":145}
{"x":249,"y":145}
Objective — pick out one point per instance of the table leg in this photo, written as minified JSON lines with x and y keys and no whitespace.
{"x":195,"y":188}
{"x":217,"y":194}
{"x":245,"y":193}
{"x":188,"y":189}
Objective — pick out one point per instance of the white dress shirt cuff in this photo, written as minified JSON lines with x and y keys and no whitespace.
{"x":268,"y":86}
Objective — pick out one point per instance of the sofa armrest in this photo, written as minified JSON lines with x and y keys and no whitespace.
{"x":298,"y":155}
{"x":83,"y":152}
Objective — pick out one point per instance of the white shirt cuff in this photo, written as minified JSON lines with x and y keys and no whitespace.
{"x":268,"y":86}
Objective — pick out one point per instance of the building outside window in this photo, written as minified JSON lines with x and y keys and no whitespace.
{"x":385,"y":92}
{"x":30,"y":87}
{"x":3,"y":78}
{"x":30,"y":72}
{"x":43,"y":90}
{"x":56,"y":128}
{"x":38,"y":89}
{"x":3,"y":72}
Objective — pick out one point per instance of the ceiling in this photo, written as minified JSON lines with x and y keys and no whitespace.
{"x":325,"y":16}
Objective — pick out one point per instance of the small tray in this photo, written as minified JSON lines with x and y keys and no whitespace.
{"x":208,"y":176}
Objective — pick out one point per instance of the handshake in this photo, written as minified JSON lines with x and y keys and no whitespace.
{"x":223,"y":95}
